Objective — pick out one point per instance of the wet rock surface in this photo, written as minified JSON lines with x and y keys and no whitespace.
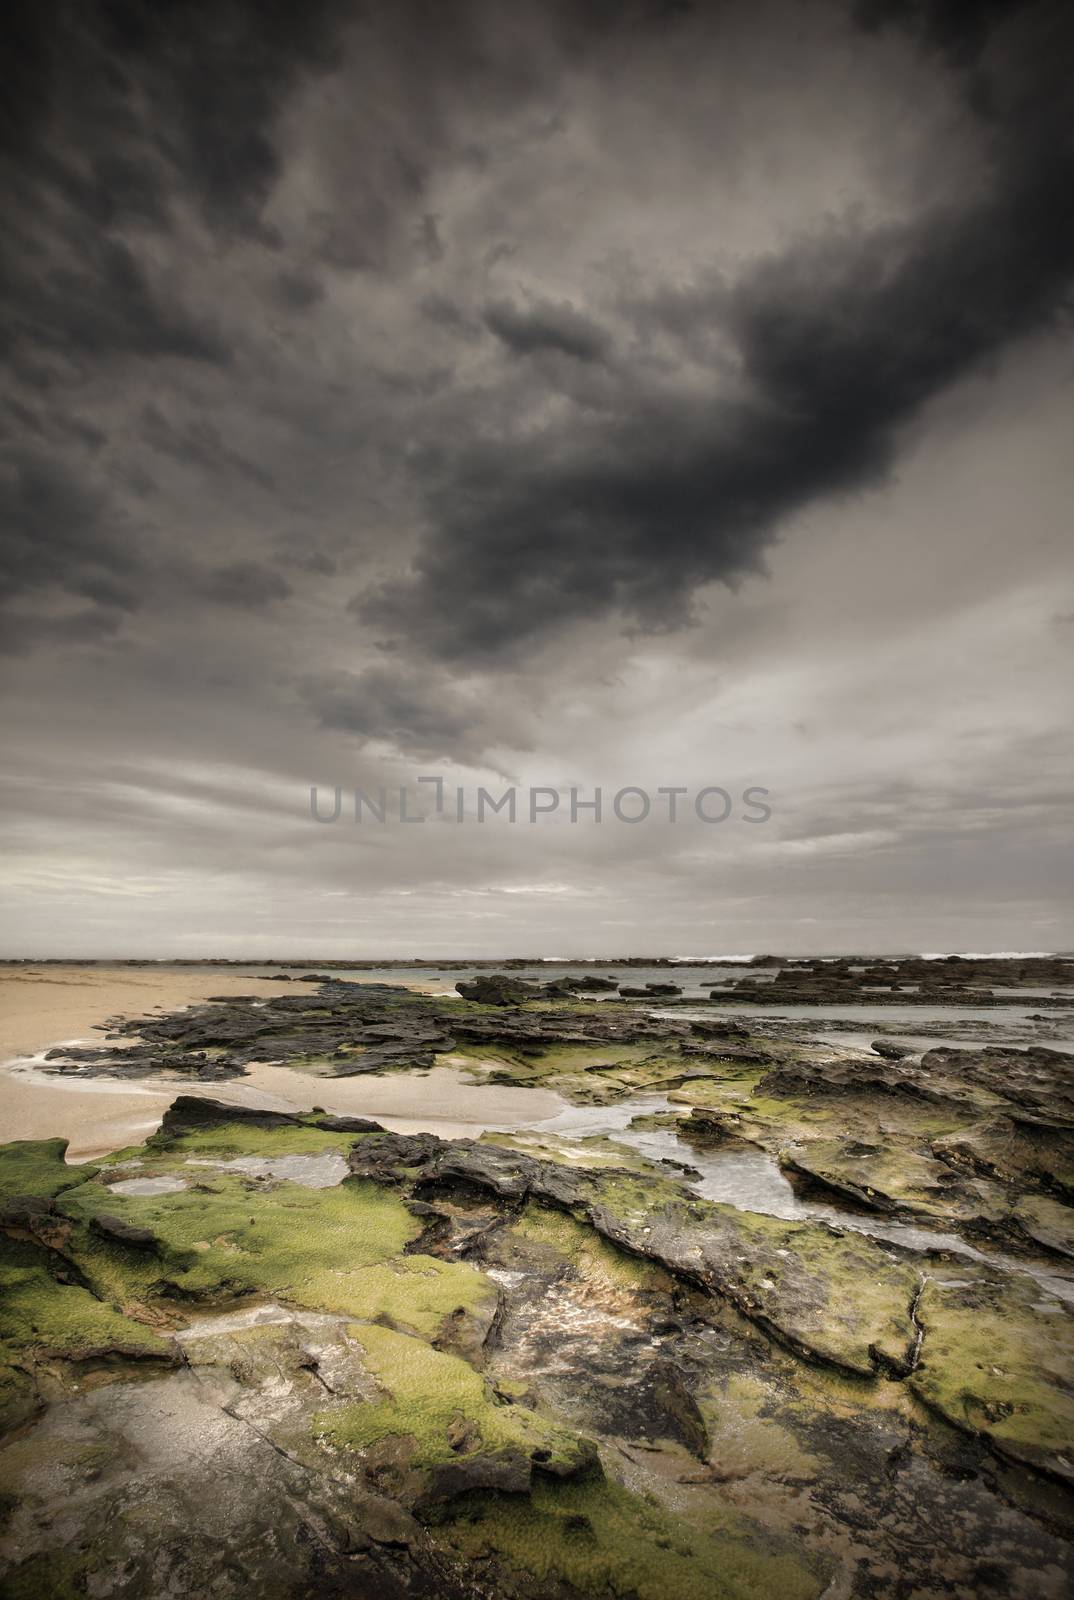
{"x":353,"y":1028}
{"x":544,"y":1364}
{"x":907,"y":980}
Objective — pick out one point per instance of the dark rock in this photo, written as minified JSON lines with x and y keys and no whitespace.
{"x":672,"y":1392}
{"x":34,"y":1216}
{"x":509,"y":1473}
{"x":1037,"y":1080}
{"x":719,"y":1028}
{"x":333,"y":1124}
{"x":120,"y":1232}
{"x":866,"y":1075}
{"x":497,"y":989}
{"x":706,"y":1128}
{"x":190,"y":1112}
{"x":651,"y":990}
{"x":710,"y":1247}
{"x":1014,"y":1151}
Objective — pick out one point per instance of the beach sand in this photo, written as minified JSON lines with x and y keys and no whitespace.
{"x":44,"y":1006}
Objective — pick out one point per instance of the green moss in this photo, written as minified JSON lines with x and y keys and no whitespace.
{"x":892,"y":1177}
{"x":837,"y":1296}
{"x":634,"y":1199}
{"x":651,"y":1072}
{"x":228,"y":1239}
{"x":587,"y":1057}
{"x":233,"y":1139}
{"x":568,"y":1060}
{"x":37,"y":1166}
{"x":724,"y":1090}
{"x":39,"y":1313}
{"x":118,"y":1158}
{"x":18,"y":1396}
{"x":765,"y":1108}
{"x":994,"y":1362}
{"x":604,"y":1540}
{"x":589,"y":1255}
{"x":418,"y":1292}
{"x":336,"y":1249}
{"x":127,"y":1278}
{"x":427,"y":1392}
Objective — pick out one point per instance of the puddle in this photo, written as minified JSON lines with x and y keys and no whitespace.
{"x":312,"y":1172}
{"x":164,"y":1185}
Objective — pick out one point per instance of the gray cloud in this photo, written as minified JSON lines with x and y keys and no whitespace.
{"x":836,"y":344}
{"x":959,"y":31}
{"x":97,"y":304}
{"x":212,"y":77}
{"x":545,"y":325}
{"x":390,"y":384}
{"x":55,"y":528}
{"x":92,"y":625}
{"x":417,"y":715}
{"x":242,"y":583}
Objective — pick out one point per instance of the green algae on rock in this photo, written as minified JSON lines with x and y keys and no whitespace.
{"x":38,"y":1167}
{"x":997,"y":1359}
{"x":602,"y":1540}
{"x":528,"y":1366}
{"x":446,"y":1414}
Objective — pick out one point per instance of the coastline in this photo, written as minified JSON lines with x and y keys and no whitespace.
{"x":40,"y":1009}
{"x":45,"y":1004}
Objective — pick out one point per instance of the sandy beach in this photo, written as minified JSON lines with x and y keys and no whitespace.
{"x":44,"y":1006}
{"x":41,"y":1006}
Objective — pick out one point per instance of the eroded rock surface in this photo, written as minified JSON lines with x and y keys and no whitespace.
{"x":541,"y":1366}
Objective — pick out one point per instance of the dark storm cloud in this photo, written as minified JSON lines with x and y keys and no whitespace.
{"x":591,"y":298}
{"x":210,"y":73}
{"x":544,"y":325}
{"x":118,"y":114}
{"x":625,"y":500}
{"x":197,"y":441}
{"x":958,"y":28}
{"x":85,"y":298}
{"x":297,"y":291}
{"x":836,"y":344}
{"x":304,"y":559}
{"x":56,"y":528}
{"x":398,"y":704}
{"x":92,"y":625}
{"x":131,"y":131}
{"x":245,"y":584}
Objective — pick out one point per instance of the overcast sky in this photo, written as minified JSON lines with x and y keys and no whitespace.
{"x":551,"y":394}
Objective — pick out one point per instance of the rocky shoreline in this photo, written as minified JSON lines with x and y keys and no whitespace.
{"x":292,"y":1353}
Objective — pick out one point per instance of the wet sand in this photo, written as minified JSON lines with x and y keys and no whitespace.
{"x":440,"y":1100}
{"x":42,"y":1007}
